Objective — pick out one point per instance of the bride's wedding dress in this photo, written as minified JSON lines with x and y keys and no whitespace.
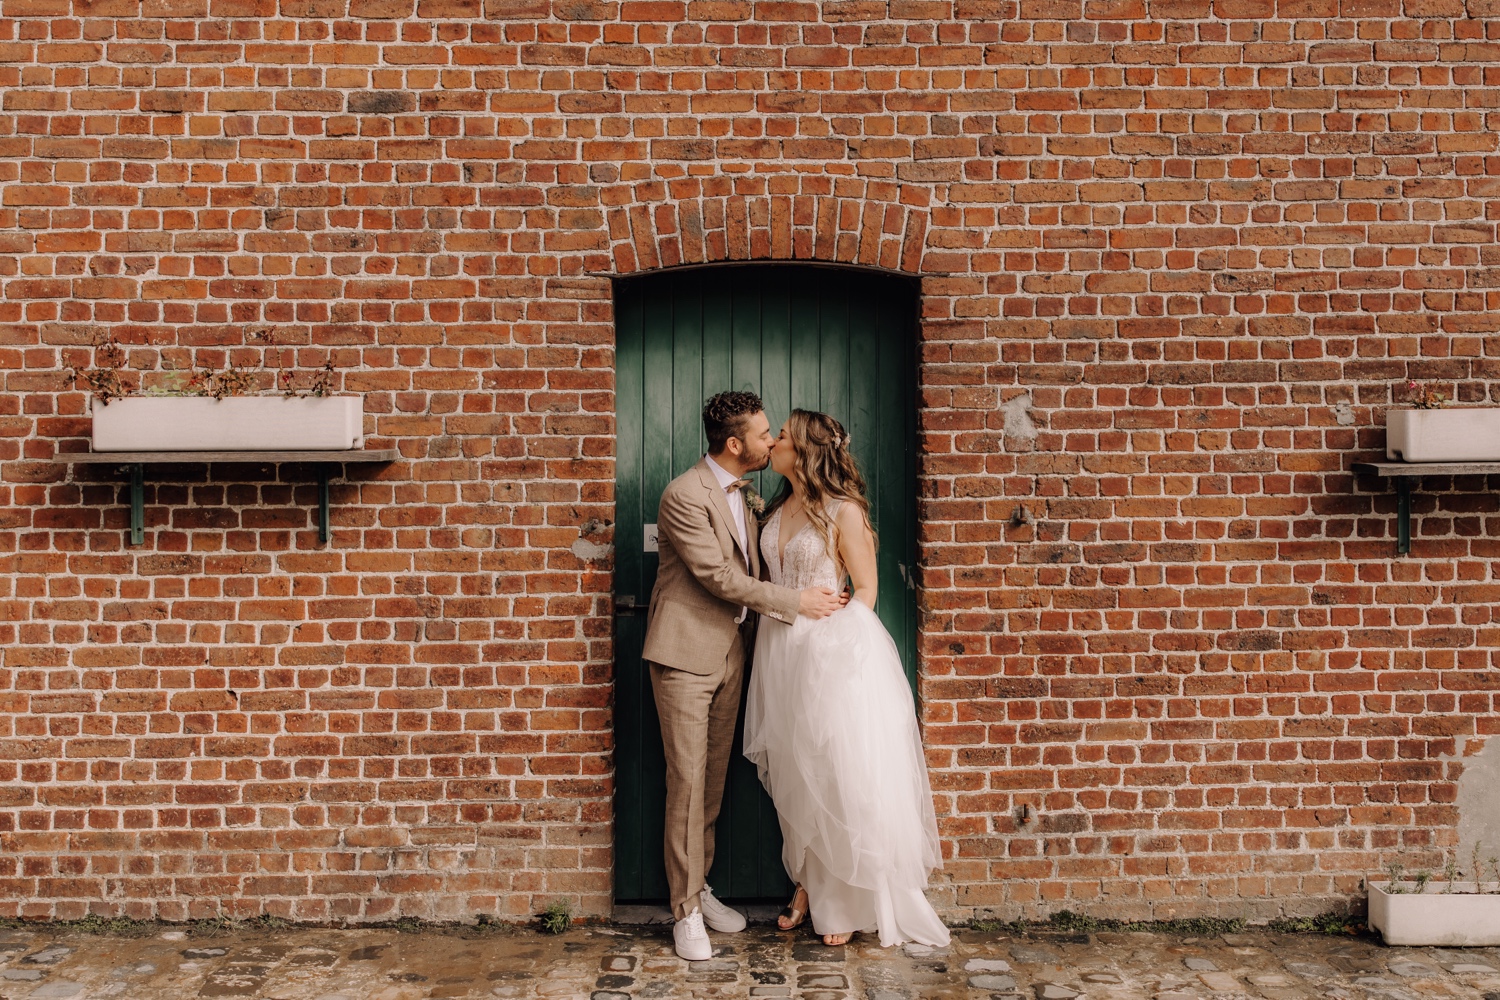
{"x":831,"y":726}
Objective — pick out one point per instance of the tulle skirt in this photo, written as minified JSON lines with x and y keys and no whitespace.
{"x":831,"y":726}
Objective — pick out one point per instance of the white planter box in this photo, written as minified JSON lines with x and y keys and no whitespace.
{"x":1462,"y":918}
{"x":238,"y":423}
{"x":1450,"y":434}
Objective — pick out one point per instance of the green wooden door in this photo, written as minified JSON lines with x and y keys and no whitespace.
{"x":826,"y":339}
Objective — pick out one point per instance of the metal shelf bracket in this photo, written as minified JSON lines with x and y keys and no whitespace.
{"x":324,"y":533}
{"x":137,"y":504}
{"x":1403,"y":515}
{"x":326,"y":463}
{"x":1408,"y":476}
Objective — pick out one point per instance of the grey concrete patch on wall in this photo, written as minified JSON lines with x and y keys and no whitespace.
{"x":1020,"y":430}
{"x":1479,"y":802}
{"x":588,"y":550}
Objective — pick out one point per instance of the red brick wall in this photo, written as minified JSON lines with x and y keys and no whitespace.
{"x":1191,"y":244}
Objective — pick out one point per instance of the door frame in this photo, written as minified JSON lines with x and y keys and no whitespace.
{"x":911,"y":570}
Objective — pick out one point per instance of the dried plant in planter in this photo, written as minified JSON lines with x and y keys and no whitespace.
{"x":319,"y":385}
{"x":103,"y":379}
{"x":220,"y":384}
{"x":322,"y":380}
{"x":1423,"y":396}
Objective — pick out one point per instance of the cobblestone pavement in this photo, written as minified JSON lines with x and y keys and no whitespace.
{"x":619,"y":962}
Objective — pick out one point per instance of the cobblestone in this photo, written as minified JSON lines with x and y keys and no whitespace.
{"x":626,"y":963}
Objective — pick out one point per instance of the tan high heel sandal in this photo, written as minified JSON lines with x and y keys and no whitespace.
{"x":792,"y":912}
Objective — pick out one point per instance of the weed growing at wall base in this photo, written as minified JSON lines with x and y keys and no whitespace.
{"x":1081,"y":923}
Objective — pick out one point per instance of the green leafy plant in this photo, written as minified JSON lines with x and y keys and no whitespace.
{"x":1067,"y":920}
{"x":1395,"y":871}
{"x":1422,"y":878}
{"x":211,"y":927}
{"x":556,"y":918}
{"x":1450,"y":874}
{"x":121,"y":926}
{"x":172,"y":384}
{"x":1331,"y":923}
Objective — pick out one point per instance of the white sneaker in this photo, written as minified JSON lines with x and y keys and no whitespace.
{"x":691,"y":939}
{"x":718,"y":916}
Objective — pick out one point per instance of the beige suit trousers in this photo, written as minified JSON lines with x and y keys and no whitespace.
{"x":698,"y":713}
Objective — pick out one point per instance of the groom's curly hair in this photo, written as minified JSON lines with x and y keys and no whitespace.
{"x":725,"y":414}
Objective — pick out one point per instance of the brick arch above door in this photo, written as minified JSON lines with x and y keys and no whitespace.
{"x":875,"y":230}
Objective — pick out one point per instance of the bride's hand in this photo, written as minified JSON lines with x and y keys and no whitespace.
{"x":819,"y":602}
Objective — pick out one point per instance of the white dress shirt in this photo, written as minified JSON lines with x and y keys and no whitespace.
{"x":736,"y":502}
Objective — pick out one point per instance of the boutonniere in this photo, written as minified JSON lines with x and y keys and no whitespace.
{"x":754,"y":501}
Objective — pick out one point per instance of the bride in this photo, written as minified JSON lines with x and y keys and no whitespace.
{"x":830,"y":723}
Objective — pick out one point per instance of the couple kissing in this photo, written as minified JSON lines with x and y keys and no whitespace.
{"x":830,"y":722}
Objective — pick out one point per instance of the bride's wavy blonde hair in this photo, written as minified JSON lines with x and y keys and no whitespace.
{"x":827,"y":470}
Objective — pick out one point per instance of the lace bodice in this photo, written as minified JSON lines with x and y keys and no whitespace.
{"x":808,"y":561}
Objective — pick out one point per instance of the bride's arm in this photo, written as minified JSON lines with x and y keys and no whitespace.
{"x":856,"y":544}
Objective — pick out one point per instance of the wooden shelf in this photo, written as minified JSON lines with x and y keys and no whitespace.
{"x":136,"y":462}
{"x":1397,"y":469}
{"x":202,"y":457}
{"x":1405,"y":472}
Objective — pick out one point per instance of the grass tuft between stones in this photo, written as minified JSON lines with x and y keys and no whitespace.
{"x":556,"y":918}
{"x":1068,"y":921}
{"x":1332,"y":923}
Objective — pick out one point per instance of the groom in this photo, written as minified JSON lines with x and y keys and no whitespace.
{"x":698,"y":632}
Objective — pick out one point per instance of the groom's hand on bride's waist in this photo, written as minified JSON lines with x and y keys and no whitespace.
{"x":820,"y":602}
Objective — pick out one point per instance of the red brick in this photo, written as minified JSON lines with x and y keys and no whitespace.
{"x":1198,"y":247}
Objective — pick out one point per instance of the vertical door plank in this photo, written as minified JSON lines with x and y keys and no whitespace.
{"x":718,"y":333}
{"x":833,"y":349}
{"x":803,"y":293}
{"x":687,"y":374}
{"x":897,"y":559}
{"x":629,"y":391}
{"x":658,"y":379}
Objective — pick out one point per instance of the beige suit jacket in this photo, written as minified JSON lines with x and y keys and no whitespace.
{"x":702,"y":582}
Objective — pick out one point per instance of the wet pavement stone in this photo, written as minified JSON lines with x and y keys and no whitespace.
{"x":999,"y":984}
{"x":606,"y":962}
{"x":1052,"y":991}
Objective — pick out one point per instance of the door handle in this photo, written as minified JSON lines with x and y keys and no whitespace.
{"x":625,"y":605}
